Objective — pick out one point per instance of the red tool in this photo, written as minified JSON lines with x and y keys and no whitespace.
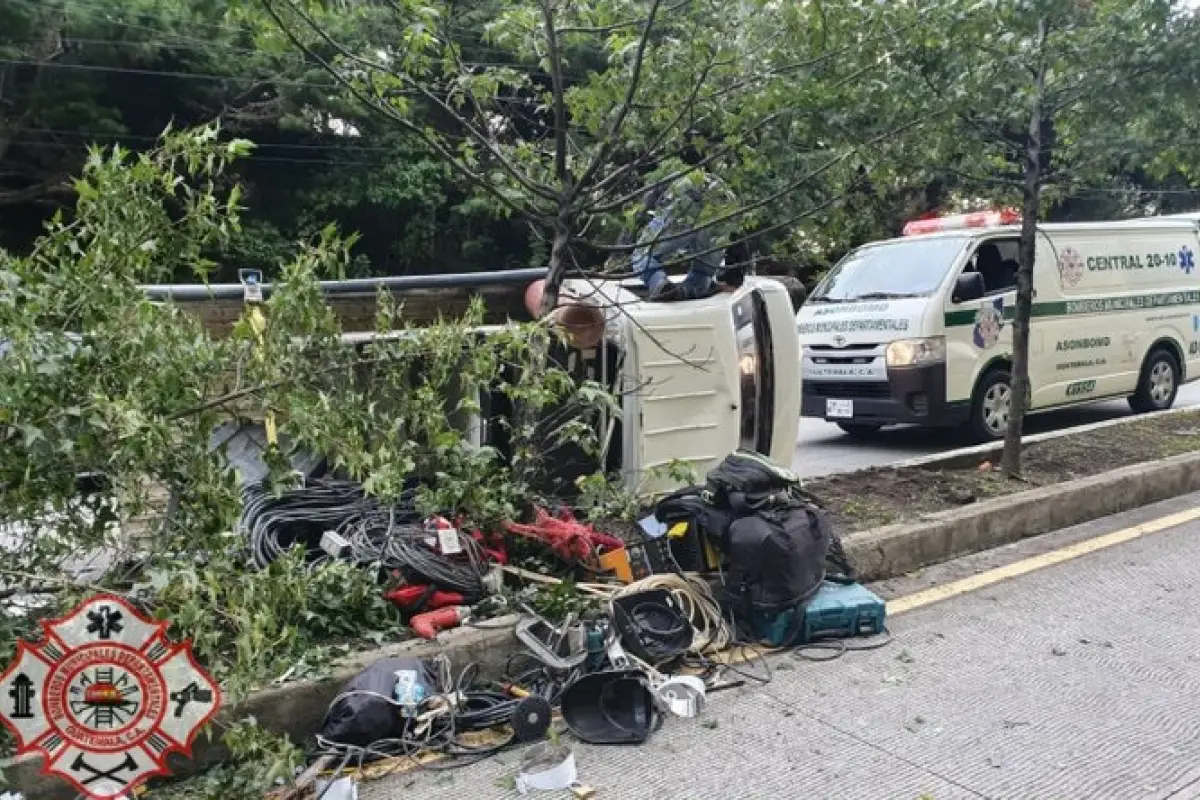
{"x":570,"y":539}
{"x":419,"y":597}
{"x":428,"y":624}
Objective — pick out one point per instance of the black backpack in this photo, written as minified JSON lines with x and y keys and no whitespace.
{"x":777,"y":540}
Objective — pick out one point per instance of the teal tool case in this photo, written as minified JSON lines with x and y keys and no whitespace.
{"x":836,"y":611}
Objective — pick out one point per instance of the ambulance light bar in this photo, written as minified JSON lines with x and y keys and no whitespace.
{"x":976,"y":219}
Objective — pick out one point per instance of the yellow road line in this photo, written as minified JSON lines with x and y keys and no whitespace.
{"x":1025,"y":566}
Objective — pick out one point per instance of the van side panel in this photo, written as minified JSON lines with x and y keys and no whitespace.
{"x":1104,"y":297}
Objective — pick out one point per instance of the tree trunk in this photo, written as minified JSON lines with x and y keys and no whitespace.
{"x":557,"y":268}
{"x":1010,"y":461}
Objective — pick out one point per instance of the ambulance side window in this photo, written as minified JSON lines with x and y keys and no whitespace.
{"x":996,"y":260}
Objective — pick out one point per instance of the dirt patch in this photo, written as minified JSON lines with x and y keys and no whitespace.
{"x":886,"y":495}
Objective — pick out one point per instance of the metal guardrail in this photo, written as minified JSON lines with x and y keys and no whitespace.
{"x":198,"y":292}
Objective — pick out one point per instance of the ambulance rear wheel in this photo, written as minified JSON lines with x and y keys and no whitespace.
{"x":1158,"y":384}
{"x":990,"y":406}
{"x":859,"y":430}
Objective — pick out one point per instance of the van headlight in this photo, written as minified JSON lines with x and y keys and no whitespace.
{"x":916,"y":352}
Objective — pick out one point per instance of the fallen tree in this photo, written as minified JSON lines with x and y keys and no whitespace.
{"x":96,"y":379}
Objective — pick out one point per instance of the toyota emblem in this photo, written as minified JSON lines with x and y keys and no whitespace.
{"x":839,"y":341}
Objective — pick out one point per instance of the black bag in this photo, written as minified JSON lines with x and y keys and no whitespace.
{"x":776,"y":538}
{"x":691,"y":506}
{"x":747,"y":478}
{"x":776,"y":558}
{"x":742,"y":483}
{"x":364,"y":713}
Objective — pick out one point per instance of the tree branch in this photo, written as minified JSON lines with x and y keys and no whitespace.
{"x":634,"y":84}
{"x":41,"y":191}
{"x":680,"y":260}
{"x":384,"y":109}
{"x":776,"y":196}
{"x":560,"y":103}
{"x":601,"y":188}
{"x":479,"y":137}
{"x":604,"y":30}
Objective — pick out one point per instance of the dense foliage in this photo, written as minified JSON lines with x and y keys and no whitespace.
{"x":809,"y":81}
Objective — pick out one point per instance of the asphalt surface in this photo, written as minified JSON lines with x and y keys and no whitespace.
{"x":1078,"y":680}
{"x":823,"y":448}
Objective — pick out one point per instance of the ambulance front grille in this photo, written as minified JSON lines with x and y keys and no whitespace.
{"x":848,"y":389}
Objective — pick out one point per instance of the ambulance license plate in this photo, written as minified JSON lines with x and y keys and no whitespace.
{"x":839,"y":409}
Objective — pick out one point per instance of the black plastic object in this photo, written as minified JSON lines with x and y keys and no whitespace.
{"x":613,"y":707}
{"x":244,"y":445}
{"x":531,"y":719}
{"x":362,"y":713}
{"x":652,"y":625}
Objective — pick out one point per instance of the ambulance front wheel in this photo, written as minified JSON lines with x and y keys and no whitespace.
{"x":1158,"y":383}
{"x":990,"y":407}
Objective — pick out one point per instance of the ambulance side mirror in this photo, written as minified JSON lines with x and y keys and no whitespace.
{"x":969,"y":286}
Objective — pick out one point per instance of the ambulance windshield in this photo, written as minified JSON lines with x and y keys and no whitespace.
{"x":895,"y":269}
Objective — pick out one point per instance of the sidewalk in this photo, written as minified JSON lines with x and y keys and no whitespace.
{"x":1080,"y":680}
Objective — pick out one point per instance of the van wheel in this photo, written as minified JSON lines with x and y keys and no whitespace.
{"x":1157,"y":385}
{"x":990,"y":407}
{"x":859,"y":430}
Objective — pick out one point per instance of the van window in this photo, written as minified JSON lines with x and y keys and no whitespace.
{"x":996,"y":260}
{"x":899,"y":268}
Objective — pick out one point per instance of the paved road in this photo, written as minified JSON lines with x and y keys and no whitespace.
{"x":823,"y":448}
{"x":1076,"y":681}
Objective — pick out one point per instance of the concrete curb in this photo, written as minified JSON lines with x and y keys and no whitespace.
{"x":298,"y":709}
{"x":990,"y":451}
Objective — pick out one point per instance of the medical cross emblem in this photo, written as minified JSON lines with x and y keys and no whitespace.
{"x":1187,"y":260}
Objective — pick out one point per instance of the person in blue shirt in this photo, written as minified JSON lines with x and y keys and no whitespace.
{"x":678,"y":230}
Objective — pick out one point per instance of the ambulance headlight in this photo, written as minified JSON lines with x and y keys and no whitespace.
{"x":916,"y":352}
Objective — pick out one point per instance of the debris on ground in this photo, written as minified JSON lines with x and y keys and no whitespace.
{"x":606,"y":671}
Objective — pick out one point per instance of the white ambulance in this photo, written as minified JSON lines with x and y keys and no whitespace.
{"x":919,"y":329}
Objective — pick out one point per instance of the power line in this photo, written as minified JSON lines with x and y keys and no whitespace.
{"x":85,"y":134}
{"x":106,"y":10}
{"x":180,"y":75}
{"x":468,"y":37}
{"x":361,"y":163}
{"x":242,"y":30}
{"x":201,"y":47}
{"x":164,"y":73}
{"x":252,"y":157}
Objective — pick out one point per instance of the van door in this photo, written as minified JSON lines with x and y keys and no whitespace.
{"x":1091,"y":349}
{"x":979,"y":332}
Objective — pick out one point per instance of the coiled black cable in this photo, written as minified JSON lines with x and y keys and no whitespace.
{"x":388,"y":537}
{"x":273,"y":524}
